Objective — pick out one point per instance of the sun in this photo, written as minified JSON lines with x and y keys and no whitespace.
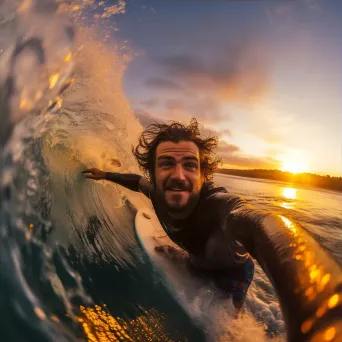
{"x":295,"y":167}
{"x":295,"y":163}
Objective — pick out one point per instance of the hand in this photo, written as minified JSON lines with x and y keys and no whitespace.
{"x":172,"y":252}
{"x":94,"y":174}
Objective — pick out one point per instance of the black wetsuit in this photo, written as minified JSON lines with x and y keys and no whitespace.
{"x":223,"y":228}
{"x":208,"y":235}
{"x":217,"y":213}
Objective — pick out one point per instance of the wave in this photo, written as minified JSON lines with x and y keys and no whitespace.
{"x":70,"y":265}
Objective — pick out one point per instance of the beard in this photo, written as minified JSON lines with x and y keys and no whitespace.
{"x":180,"y":202}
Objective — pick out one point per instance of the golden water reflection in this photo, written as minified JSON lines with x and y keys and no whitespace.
{"x":289,"y":194}
{"x":100,"y":326}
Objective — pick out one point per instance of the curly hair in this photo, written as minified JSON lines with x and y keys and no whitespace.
{"x":154,"y":134}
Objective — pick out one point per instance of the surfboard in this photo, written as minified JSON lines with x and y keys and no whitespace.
{"x":184,"y":286}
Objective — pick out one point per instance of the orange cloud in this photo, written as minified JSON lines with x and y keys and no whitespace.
{"x":230,"y":153}
{"x":192,"y":87}
{"x":232,"y":156}
{"x":226,"y":149}
{"x":206,"y":132}
{"x":250,"y":162}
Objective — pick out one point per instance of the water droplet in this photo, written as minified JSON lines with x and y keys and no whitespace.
{"x":333,"y":301}
{"x":53,"y":80}
{"x":40,"y":313}
{"x":320,"y":312}
{"x":67,"y":58}
{"x":329,"y":334}
{"x":306,"y":326}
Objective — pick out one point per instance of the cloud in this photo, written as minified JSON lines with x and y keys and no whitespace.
{"x":234,"y":76}
{"x":205,"y":109}
{"x":227,"y":149}
{"x":212,"y":132}
{"x":232,"y":156}
{"x":162,"y":83}
{"x":251,"y":162}
{"x":182,"y":65}
{"x":230,"y":153}
{"x":150,"y":102}
{"x":145,"y":118}
{"x":208,"y":109}
{"x":175,"y":104}
{"x":226,"y":132}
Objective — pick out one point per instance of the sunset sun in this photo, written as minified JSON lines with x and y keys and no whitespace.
{"x":295,"y":167}
{"x":295,"y":163}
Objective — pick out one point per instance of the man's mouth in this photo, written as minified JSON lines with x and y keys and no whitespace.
{"x":176,"y":189}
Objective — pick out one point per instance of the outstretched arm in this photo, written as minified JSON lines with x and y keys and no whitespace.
{"x":304,"y":274}
{"x":130,"y":181}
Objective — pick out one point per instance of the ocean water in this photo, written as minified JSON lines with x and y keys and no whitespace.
{"x":71,"y":268}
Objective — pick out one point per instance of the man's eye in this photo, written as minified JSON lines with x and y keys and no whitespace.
{"x":191,"y":166}
{"x":165,"y":164}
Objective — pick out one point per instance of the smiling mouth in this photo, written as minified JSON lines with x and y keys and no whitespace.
{"x":176,"y":190}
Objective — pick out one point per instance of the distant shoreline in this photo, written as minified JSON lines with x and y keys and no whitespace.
{"x":303,"y":179}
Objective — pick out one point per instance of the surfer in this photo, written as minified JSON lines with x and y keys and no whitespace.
{"x":198,"y":216}
{"x":222,"y":233}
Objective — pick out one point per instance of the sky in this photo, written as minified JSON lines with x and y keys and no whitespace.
{"x":265,"y":76}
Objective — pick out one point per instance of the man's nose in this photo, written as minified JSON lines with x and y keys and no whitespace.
{"x":178,"y":172}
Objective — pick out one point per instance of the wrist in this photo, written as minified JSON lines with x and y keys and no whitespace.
{"x":110,"y":176}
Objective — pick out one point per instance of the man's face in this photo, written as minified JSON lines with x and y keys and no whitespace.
{"x":178,"y":178}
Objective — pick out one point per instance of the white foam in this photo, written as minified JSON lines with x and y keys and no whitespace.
{"x":259,"y":320}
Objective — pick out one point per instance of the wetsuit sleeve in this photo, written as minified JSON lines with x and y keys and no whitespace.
{"x":243,"y":222}
{"x":130,"y":181}
{"x":146,"y":187}
{"x":293,"y":260}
